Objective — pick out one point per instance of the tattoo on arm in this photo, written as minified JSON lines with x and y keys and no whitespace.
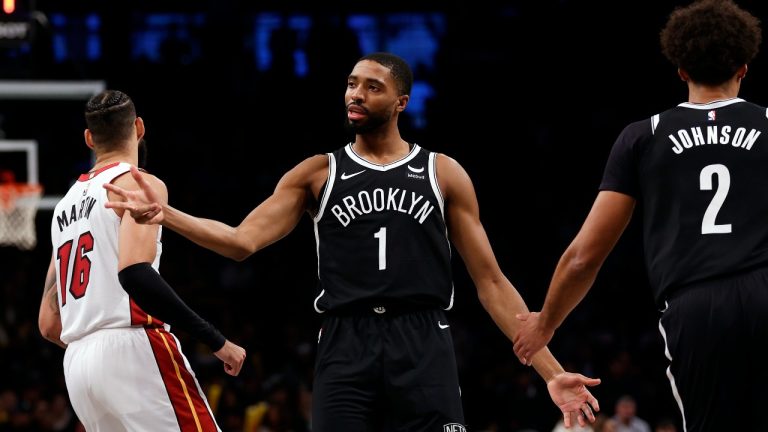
{"x":50,"y":291}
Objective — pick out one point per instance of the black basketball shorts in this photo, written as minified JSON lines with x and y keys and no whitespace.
{"x":716,"y":336}
{"x":380,"y":370}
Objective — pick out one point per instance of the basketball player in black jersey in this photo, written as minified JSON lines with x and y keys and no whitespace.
{"x":699,"y":172}
{"x":384,"y":210}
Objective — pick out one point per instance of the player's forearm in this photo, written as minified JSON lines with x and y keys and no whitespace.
{"x":210,"y":234}
{"x":49,"y":319}
{"x":546,"y":364}
{"x":157,"y":298}
{"x":571,"y":281}
{"x":503,"y":302}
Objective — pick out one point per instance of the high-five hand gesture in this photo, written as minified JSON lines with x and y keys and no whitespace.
{"x":569,"y":392}
{"x":143,"y":203}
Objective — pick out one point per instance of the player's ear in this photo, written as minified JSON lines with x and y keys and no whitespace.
{"x":88,"y":139}
{"x":741,"y":72}
{"x":683,"y":74}
{"x":402,"y":102}
{"x":139,"y":122}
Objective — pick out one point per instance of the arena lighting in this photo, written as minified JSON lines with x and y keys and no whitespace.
{"x":9,"y":6}
{"x":16,"y":22}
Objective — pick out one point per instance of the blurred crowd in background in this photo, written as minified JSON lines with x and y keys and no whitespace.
{"x":527,"y":96}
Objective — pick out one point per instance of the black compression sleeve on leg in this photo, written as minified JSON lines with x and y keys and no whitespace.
{"x":153,"y":294}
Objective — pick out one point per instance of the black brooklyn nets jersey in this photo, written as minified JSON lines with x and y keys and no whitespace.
{"x":381,"y":235}
{"x":700,"y":173}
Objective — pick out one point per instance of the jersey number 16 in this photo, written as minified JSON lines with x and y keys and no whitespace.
{"x":81,"y":266}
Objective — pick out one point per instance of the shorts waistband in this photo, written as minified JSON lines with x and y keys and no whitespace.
{"x":108,"y":331}
{"x":380,"y":309}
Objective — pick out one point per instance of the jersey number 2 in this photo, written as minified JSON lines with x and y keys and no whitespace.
{"x":708,"y":225}
{"x":81,"y":268}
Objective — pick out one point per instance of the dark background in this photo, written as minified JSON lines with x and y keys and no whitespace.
{"x":527,"y":96}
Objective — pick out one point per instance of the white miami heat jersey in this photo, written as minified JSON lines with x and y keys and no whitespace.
{"x":85,"y":246}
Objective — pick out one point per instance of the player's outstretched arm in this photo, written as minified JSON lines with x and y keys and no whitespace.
{"x":49,"y":318}
{"x":270,"y":221}
{"x":498,"y":296}
{"x":576,"y":271}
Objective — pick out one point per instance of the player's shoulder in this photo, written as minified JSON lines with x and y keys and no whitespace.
{"x":318,"y":162}
{"x":638,"y":131}
{"x":444,"y":162}
{"x":154,"y":181}
{"x":308,"y":171}
{"x":128,"y":182}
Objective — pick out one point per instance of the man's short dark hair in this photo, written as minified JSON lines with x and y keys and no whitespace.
{"x":110,"y":116}
{"x":398,"y":67}
{"x":711,"y":40}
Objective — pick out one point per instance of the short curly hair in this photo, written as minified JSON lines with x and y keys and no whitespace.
{"x":711,"y":39}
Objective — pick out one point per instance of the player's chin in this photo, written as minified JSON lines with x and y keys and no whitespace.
{"x":356,"y":126}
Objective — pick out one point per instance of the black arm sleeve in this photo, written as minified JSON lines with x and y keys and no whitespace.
{"x":153,"y":294}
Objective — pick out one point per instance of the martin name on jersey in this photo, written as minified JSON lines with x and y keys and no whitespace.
{"x":83,"y":210}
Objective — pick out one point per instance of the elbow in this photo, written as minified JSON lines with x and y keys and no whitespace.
{"x":240,"y":253}
{"x":579,"y":264}
{"x":49,"y":330}
{"x":242,"y":248}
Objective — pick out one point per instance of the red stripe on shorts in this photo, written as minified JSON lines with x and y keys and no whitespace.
{"x":141,"y":318}
{"x":189,"y":406}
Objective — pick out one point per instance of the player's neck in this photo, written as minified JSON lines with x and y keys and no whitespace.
{"x":381,"y":149}
{"x":703,"y":94}
{"x":107,"y":158}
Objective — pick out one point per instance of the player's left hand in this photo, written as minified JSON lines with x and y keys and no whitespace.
{"x":569,"y":392}
{"x":233,"y":357}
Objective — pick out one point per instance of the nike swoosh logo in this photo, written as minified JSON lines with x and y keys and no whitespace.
{"x":345,"y":176}
{"x":416,"y":170}
{"x":442,"y":326}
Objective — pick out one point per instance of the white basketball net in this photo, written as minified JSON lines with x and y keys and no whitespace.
{"x":18,"y":207}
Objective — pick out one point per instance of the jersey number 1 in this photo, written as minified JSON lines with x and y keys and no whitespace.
{"x":81,"y":268}
{"x":708,"y":225}
{"x":381,"y":234}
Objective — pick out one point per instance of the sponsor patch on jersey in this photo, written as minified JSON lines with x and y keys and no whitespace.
{"x":712,"y":115}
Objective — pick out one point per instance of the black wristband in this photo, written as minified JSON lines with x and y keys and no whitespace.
{"x":153,"y":294}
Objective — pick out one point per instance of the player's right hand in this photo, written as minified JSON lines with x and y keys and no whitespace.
{"x":143,"y":204}
{"x":531,"y":337}
{"x":233,"y":357}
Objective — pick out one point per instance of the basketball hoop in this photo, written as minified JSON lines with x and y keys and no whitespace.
{"x":18,"y":207}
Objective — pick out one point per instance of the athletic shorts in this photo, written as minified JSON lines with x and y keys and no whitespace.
{"x":134,"y":379}
{"x":716,"y":336}
{"x":383,"y":370}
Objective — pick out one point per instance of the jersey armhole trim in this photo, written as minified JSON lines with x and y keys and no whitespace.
{"x":328,"y":187}
{"x":654,"y":123}
{"x":105,"y":193}
{"x":433,"y":181}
